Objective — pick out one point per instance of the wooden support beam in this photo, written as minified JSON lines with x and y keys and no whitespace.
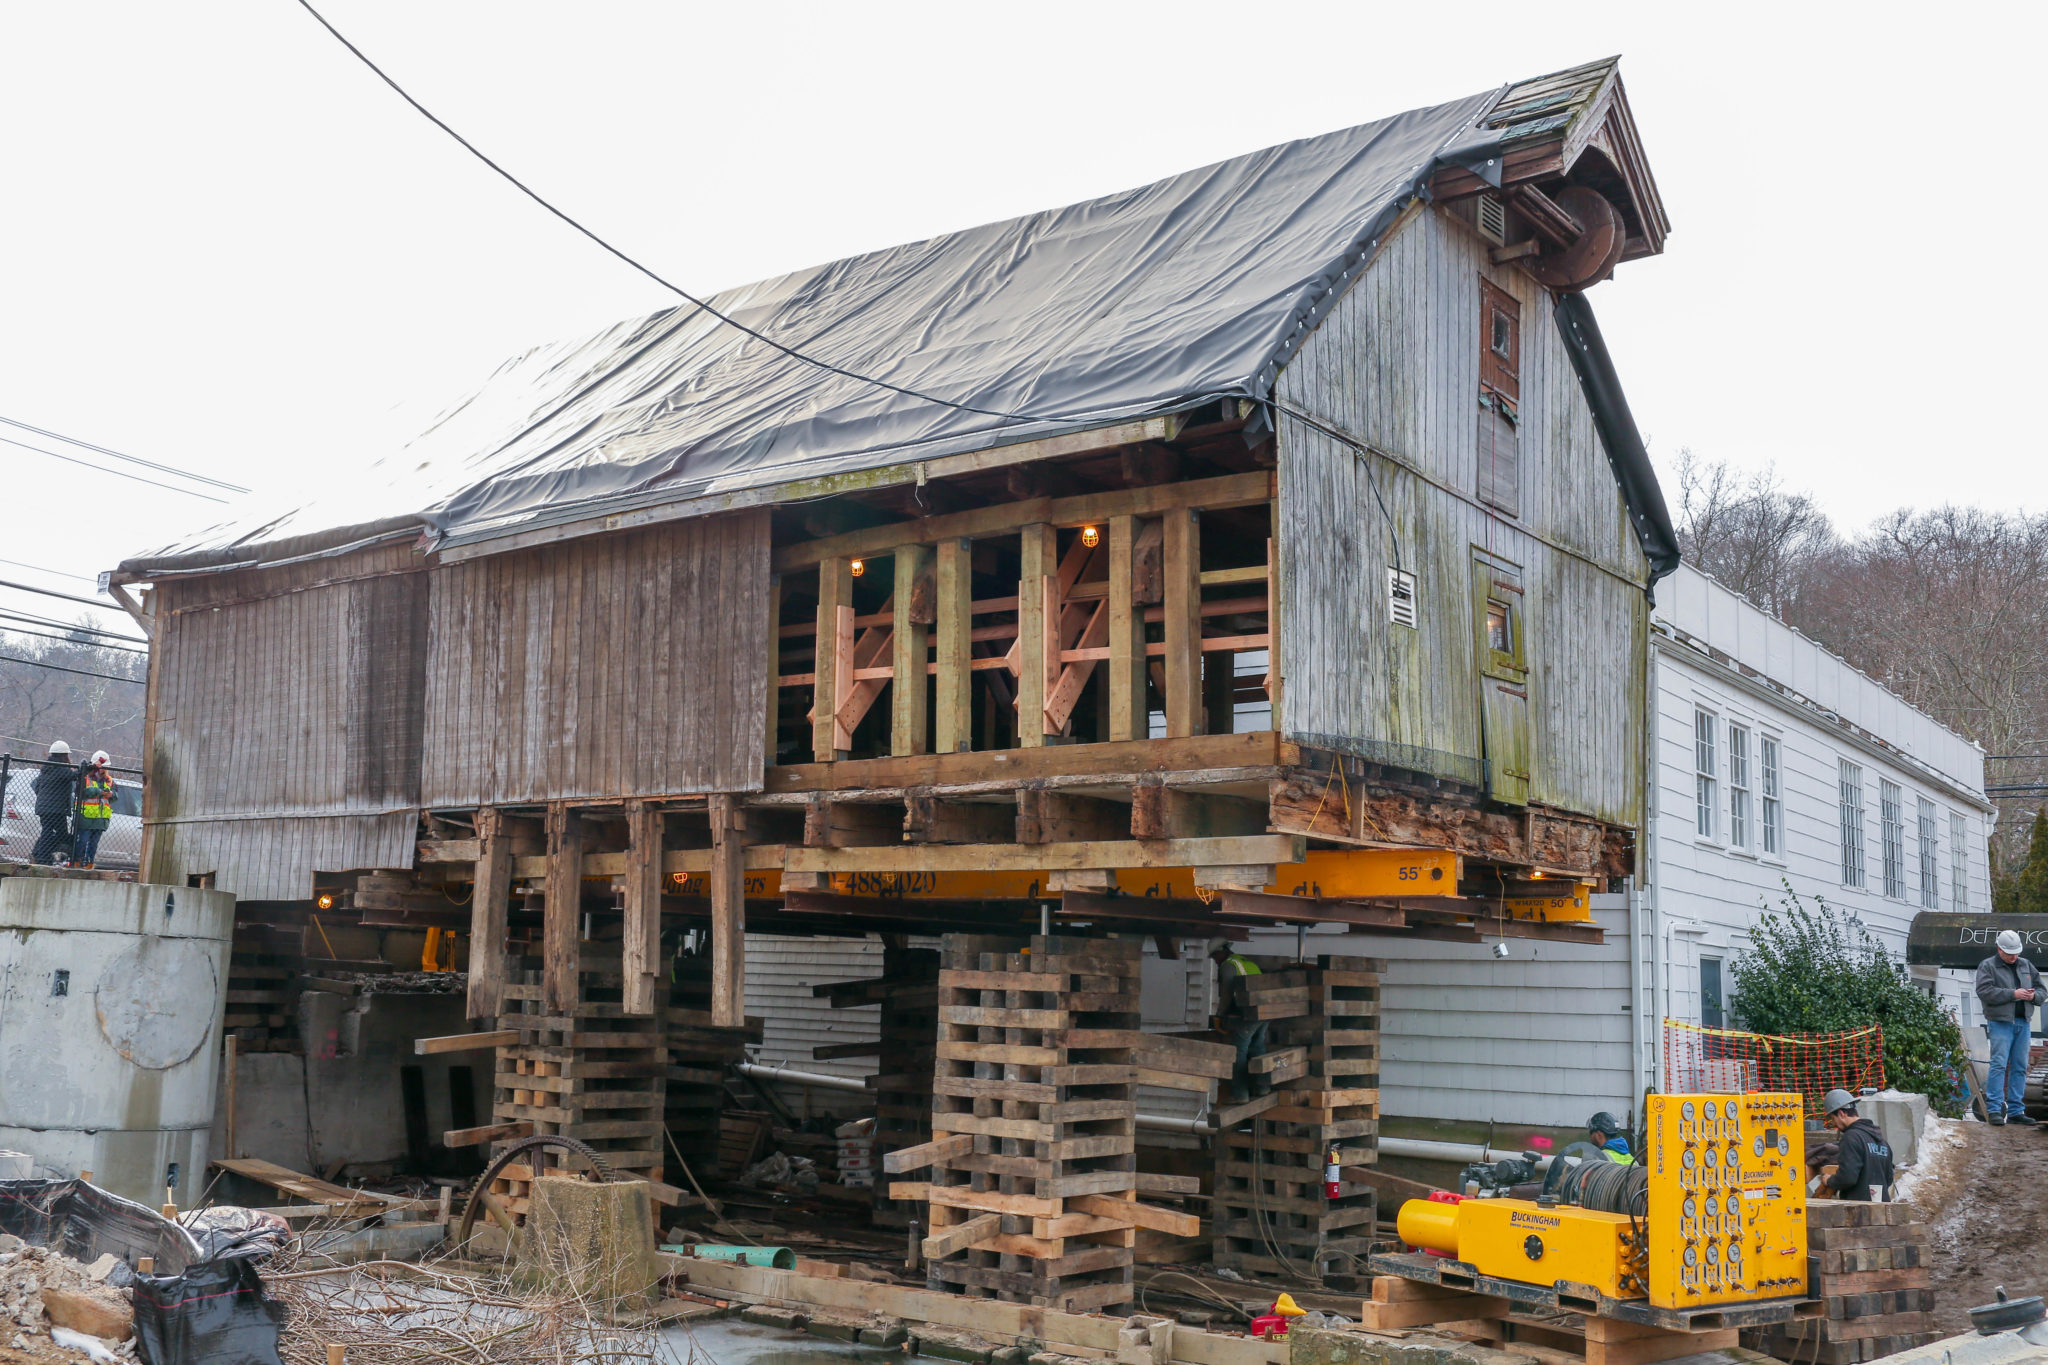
{"x":1054,"y":817}
{"x":488,"y":912}
{"x":728,"y":913}
{"x":934,"y":820}
{"x":1138,"y":1215}
{"x":562,"y":917}
{"x":909,"y":731}
{"x":1257,"y":849}
{"x":1126,"y":677}
{"x":490,"y":1132}
{"x":1038,"y":614}
{"x":1183,"y":591}
{"x":640,"y":952}
{"x":962,"y":1236}
{"x":851,"y":824}
{"x":953,"y":587}
{"x":833,"y":672}
{"x":1115,"y":763}
{"x":1162,"y":812}
{"x":927,"y":1154}
{"x":464,"y":1042}
{"x":774,"y":716}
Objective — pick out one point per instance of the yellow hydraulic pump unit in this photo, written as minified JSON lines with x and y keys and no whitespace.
{"x":1714,"y":1212}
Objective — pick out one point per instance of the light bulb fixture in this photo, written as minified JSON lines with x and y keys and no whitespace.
{"x":1091,"y":536}
{"x":324,"y":901}
{"x":858,"y":567}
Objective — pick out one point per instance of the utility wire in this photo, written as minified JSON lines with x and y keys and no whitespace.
{"x":30,"y":618}
{"x":63,"y":596}
{"x":131,"y":459}
{"x":59,"y":668}
{"x":673,"y":288}
{"x":82,"y":578}
{"x":65,"y":639}
{"x":117,"y":473}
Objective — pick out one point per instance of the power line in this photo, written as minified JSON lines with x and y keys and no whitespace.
{"x":62,"y":596}
{"x":65,"y":639}
{"x":59,"y":668}
{"x":40,"y":569}
{"x":132,"y":459}
{"x":30,"y":618}
{"x":673,"y":288}
{"x":117,"y":473}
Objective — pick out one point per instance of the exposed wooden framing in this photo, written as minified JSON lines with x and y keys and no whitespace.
{"x":1038,"y":614}
{"x":136,"y":611}
{"x":1162,"y":812}
{"x":1257,"y":849}
{"x":1251,"y":749}
{"x":1054,"y":817}
{"x":774,"y":717}
{"x":464,"y":1042}
{"x":932,"y":820}
{"x":1228,"y":490}
{"x":641,"y":949}
{"x":1071,"y":677}
{"x":953,"y":715}
{"x":1274,"y":685}
{"x":832,"y":672}
{"x":728,"y":913}
{"x":850,"y":824}
{"x":563,"y":910}
{"x":908,"y":727}
{"x":488,"y":914}
{"x":1126,"y":677}
{"x":1183,"y":568}
{"x":865,"y":679}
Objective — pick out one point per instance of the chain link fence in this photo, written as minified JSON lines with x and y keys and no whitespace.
{"x":28,"y":835}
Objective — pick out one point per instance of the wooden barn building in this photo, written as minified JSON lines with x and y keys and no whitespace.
{"x":1267,"y":545}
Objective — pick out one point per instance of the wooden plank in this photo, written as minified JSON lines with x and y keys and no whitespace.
{"x":562,"y":909}
{"x":962,"y":1236}
{"x":1260,"y":750}
{"x":1038,"y":609}
{"x":927,"y":1154}
{"x":1239,"y":851}
{"x":640,"y":953}
{"x":728,"y":912}
{"x":835,"y":598}
{"x":953,"y":704}
{"x":488,"y":916}
{"x":908,"y":726}
{"x":1383,"y":1317}
{"x":1136,"y":1214}
{"x":1126,"y":677}
{"x":490,"y":1132}
{"x":464,"y":1042}
{"x":773,"y":719}
{"x":1183,"y":624}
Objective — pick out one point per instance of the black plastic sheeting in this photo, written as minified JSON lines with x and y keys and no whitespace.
{"x":1154,"y":300}
{"x":1626,"y":453}
{"x":193,"y":1312}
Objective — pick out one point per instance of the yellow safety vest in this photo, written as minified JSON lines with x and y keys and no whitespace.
{"x":1245,"y":966}
{"x":96,"y":802}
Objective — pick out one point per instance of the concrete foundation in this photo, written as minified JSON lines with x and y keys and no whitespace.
{"x":595,"y":1241}
{"x":1901,"y":1117}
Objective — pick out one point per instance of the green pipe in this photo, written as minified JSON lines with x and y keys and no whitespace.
{"x":776,"y":1258}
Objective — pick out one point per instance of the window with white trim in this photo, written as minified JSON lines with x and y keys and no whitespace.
{"x":1930,"y":855}
{"x":1958,"y":861}
{"x":1706,"y":768}
{"x":1892,"y":838}
{"x":1738,"y":786}
{"x":1849,"y":804}
{"x":1774,"y":806}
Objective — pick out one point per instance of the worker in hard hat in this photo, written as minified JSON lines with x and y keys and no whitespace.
{"x":2008,"y":987}
{"x":1607,"y":1134}
{"x":1238,"y":1016}
{"x":95,"y":809}
{"x":1863,"y":1160}
{"x":56,"y":793}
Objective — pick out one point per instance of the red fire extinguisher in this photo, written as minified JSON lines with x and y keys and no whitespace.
{"x":1330,"y":1176}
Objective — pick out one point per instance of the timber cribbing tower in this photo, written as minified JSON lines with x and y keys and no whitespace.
{"x":1280,"y":557}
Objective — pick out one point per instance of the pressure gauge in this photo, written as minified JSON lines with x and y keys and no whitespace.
{"x":1756,"y":1148}
{"x":1734,"y":1157}
{"x":1713,"y":1207}
{"x":1686,"y":1111}
{"x":1689,"y":1160}
{"x":1784,"y":1145}
{"x":1692,"y":1256}
{"x":1733,"y":1110}
{"x":1713,"y":1254}
{"x":1692,"y":1208}
{"x":1710,"y":1158}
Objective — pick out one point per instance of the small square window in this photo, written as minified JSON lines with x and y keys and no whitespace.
{"x":1500,"y":627}
{"x":1503,"y":335}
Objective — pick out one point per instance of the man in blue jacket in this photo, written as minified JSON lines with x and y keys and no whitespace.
{"x":2008,"y":987}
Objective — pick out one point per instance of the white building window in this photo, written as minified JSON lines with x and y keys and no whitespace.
{"x":1958,"y":861}
{"x":1705,"y":790}
{"x":1774,"y":806}
{"x":1930,"y":890}
{"x":1850,"y":803}
{"x":1892,"y":831}
{"x":1738,"y":786}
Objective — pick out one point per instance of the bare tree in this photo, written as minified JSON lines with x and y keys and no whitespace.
{"x":1751,"y":532}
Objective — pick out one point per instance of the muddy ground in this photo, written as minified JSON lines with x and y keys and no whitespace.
{"x":1985,"y":1201}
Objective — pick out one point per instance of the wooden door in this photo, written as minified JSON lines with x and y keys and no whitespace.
{"x":1501,"y":650}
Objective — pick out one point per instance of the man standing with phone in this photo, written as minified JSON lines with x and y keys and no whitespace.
{"x":2008,"y":987}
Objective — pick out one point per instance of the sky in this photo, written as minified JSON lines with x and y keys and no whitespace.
{"x":231,"y":250}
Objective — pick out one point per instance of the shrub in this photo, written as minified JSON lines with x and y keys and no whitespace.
{"x":1809,"y":971}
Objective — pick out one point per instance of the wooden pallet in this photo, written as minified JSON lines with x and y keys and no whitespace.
{"x":1567,"y":1297}
{"x":1270,"y":1210}
{"x":262,"y":1003}
{"x":903,"y":1067}
{"x":1867,"y":1265}
{"x":1034,"y":1098}
{"x":1550,"y":1335}
{"x":699,"y":1059}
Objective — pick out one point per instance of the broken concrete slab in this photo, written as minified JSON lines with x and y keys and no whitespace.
{"x":595,"y":1239}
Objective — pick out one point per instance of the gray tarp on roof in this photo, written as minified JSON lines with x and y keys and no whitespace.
{"x":1193,"y":288}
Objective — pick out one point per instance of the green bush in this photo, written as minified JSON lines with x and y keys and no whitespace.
{"x":1808,"y":971}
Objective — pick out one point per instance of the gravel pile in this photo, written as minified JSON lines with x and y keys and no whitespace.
{"x":25,"y":1320}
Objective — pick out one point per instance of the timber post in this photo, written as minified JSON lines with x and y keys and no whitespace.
{"x":728,"y":913}
{"x":640,"y":955}
{"x":488,"y":918}
{"x":562,"y":909}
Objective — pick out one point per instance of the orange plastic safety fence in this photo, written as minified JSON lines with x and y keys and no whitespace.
{"x":1724,"y":1060}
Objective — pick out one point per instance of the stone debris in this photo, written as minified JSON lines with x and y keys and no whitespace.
{"x":41,"y":1289}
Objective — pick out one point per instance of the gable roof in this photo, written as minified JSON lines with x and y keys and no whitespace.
{"x":1158,"y":299}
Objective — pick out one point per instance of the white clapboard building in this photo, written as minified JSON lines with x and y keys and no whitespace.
{"x":1775,"y":764}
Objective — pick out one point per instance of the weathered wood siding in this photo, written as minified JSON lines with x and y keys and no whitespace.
{"x":286,"y":733}
{"x":619,"y":665}
{"x":1396,"y":364}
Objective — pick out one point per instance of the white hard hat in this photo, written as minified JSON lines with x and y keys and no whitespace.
{"x":2008,"y":941}
{"x":100,"y":758}
{"x":60,"y":747}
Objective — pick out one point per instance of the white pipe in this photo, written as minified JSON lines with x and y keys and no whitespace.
{"x":1175,"y":1125}
{"x":1166,"y":1122}
{"x":1423,"y":1149}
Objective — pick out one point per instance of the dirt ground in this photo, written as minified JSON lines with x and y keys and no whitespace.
{"x":1984,"y":1198}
